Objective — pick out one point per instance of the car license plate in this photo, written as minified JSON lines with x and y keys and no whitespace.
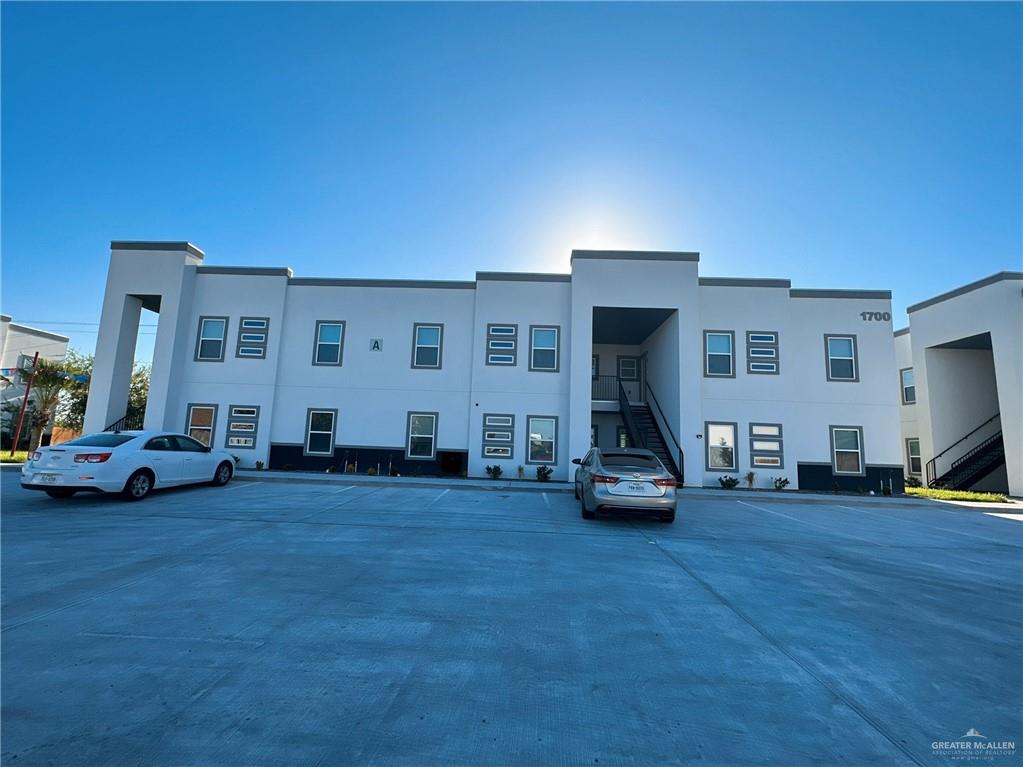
{"x":49,"y":479}
{"x":637,"y":487}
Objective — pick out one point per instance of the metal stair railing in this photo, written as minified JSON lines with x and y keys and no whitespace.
{"x":638,"y":438}
{"x":679,"y":463}
{"x":931,"y":471}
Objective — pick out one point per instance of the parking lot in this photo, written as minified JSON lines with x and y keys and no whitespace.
{"x":281,"y":624}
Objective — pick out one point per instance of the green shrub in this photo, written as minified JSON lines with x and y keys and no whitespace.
{"x":728,"y":483}
{"x":780,"y":483}
{"x":371,"y":471}
{"x":494,"y":472}
{"x":543,"y":473}
{"x":955,"y":495}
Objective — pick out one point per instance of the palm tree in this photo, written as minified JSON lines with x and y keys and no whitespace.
{"x":49,"y":381}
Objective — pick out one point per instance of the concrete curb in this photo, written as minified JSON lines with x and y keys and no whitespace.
{"x":454,"y":483}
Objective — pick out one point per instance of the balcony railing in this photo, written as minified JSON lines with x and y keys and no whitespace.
{"x":605,"y":388}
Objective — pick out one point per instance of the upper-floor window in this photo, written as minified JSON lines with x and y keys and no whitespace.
{"x":209,"y":342}
{"x":544,"y":352}
{"x":427,"y":341}
{"x":908,"y":386}
{"x":719,"y":353}
{"x":841,"y":358}
{"x":628,"y":368}
{"x":329,"y":343}
{"x":252,"y":337}
{"x":847,"y":449}
{"x":761,"y":352}
{"x":594,"y":366}
{"x":502,"y":345}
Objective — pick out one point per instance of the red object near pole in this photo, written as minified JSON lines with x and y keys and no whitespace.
{"x":24,"y":404}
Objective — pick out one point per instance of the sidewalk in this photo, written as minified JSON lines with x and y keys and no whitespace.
{"x":525,"y":485}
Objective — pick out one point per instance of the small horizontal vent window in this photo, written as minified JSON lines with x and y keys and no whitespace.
{"x":761,"y":352}
{"x":498,"y":435}
{"x":252,"y":344}
{"x":242,"y":426}
{"x":502,"y":345}
{"x":766,"y":445}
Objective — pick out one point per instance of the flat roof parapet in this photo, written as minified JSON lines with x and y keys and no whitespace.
{"x":811,"y":293}
{"x":156,"y":245}
{"x":744,"y":282}
{"x":968,"y":288}
{"x":329,"y":282}
{"x":636,"y":255}
{"x":522,"y":277}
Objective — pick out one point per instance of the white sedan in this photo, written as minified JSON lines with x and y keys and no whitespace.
{"x":127,"y":462}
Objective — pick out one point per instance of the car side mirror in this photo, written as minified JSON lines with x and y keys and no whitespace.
{"x":577,"y":461}
{"x":207,"y":449}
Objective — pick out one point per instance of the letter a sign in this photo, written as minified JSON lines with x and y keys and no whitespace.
{"x":376,"y":344}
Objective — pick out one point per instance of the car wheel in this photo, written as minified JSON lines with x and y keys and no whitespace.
{"x":585,"y":512}
{"x":223,"y":475}
{"x":138,"y":485}
{"x":667,"y":518}
{"x":60,"y":492}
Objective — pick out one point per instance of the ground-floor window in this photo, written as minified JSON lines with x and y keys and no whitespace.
{"x":201,"y":421}
{"x":765,"y":445}
{"x":720,"y":439}
{"x":593,"y":435}
{"x":321,"y":426}
{"x":242,"y":425}
{"x":913,"y":455}
{"x":422,"y":435}
{"x":498,"y":435}
{"x":847,"y":449}
{"x":543,"y":436}
{"x":622,"y":437}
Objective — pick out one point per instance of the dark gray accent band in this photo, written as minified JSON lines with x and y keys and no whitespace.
{"x":522,"y":277}
{"x":155,"y":245}
{"x":5,"y":318}
{"x":901,"y":332}
{"x":637,"y":255}
{"x":331,"y":282}
{"x":38,"y":332}
{"x":255,"y":271}
{"x":743,"y":282}
{"x":802,"y":293}
{"x":965,"y":289}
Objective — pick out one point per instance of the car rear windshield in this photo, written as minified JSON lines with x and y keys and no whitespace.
{"x":628,"y":459}
{"x":100,"y":440}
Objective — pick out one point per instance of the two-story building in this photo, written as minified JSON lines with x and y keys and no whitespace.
{"x":719,"y":376}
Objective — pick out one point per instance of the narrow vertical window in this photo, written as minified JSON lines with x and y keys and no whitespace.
{"x":594,"y":366}
{"x":544,"y":348}
{"x":543,"y":436}
{"x":594,"y":433}
{"x":622,"y":437}
{"x":209,"y":343}
{"x":502,"y":345}
{"x":328,"y":348}
{"x":253,"y":333}
{"x":841,"y":358}
{"x":427,"y":341}
{"x":913,"y":456}
{"x":320,"y":430}
{"x":202,"y":419}
{"x":719,"y":353}
{"x":720,"y":439}
{"x":847,"y":449}
{"x":422,"y":435}
{"x":908,"y":386}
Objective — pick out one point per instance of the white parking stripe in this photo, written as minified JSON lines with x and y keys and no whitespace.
{"x":341,"y":489}
{"x":874,"y":513}
{"x":445,"y":492}
{"x":776,"y":513}
{"x":233,"y":486}
{"x":546,"y":500}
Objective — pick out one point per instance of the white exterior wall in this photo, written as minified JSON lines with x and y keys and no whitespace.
{"x":20,"y":340}
{"x":908,"y":424}
{"x":957,"y":389}
{"x":373,"y":391}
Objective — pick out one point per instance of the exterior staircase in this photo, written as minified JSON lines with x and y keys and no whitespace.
{"x":973,"y":466}
{"x":643,"y":432}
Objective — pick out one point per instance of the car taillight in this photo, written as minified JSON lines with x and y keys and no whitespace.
{"x":601,"y":479}
{"x":669,"y":482}
{"x":36,"y":455}
{"x":92,"y":457}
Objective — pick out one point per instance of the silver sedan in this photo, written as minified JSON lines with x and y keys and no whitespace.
{"x":625,"y":480}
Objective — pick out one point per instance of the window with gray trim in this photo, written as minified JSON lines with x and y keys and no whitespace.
{"x":329,"y":342}
{"x":427,"y":345}
{"x":622,"y":437}
{"x":594,"y":366}
{"x":253,"y":333}
{"x":841,"y":358}
{"x":210,"y":339}
{"x":320,"y":431}
{"x":908,"y":386}
{"x":762,"y":352}
{"x":544,"y":348}
{"x":242,"y":426}
{"x":421,"y":437}
{"x":913,"y":456}
{"x":766,"y":448}
{"x":719,"y":353}
{"x":594,"y":435}
{"x":847,"y":450}
{"x":498,"y":435}
{"x":719,"y":438}
{"x":502,"y":345}
{"x":628,"y":368}
{"x":201,"y":422}
{"x":541,"y":439}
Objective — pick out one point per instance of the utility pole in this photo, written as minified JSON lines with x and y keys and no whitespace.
{"x":24,"y":404}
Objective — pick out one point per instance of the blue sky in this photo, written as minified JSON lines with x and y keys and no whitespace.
{"x":862,"y":145}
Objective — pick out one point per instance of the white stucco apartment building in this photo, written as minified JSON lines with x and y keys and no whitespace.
{"x":720,"y":376}
{"x":18,"y":345}
{"x":961,"y":372}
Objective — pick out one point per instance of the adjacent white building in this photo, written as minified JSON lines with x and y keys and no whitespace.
{"x":961,"y":379}
{"x":18,"y":346}
{"x":720,"y":376}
